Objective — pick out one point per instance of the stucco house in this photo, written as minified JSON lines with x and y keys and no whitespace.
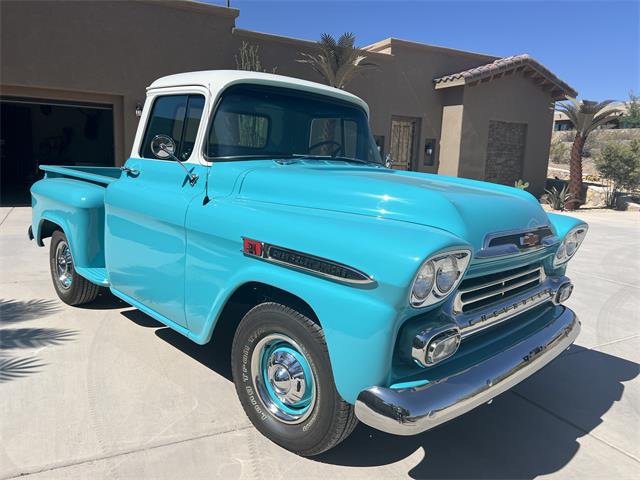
{"x":74,"y":74}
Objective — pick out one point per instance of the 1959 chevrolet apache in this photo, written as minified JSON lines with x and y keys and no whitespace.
{"x":353,"y":291}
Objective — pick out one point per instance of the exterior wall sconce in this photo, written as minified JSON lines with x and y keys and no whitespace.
{"x":138,"y":110}
{"x":429,"y":152}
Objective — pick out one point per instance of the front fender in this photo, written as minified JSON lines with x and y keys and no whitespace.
{"x":360,"y":322}
{"x":563,"y":223}
{"x":77,"y":207}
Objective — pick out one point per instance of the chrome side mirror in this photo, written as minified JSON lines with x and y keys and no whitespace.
{"x":163,"y":147}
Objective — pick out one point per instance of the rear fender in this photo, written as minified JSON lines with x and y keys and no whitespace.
{"x":77,"y":208}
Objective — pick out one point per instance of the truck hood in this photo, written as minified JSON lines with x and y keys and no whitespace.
{"x":467,"y":208}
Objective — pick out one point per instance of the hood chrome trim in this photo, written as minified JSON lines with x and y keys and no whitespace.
{"x":488,"y":251}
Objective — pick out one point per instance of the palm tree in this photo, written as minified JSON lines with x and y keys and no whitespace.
{"x":586,"y":116}
{"x":338,"y":60}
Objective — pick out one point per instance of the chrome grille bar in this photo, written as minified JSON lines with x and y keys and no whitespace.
{"x":497,"y":282}
{"x":472,"y":295}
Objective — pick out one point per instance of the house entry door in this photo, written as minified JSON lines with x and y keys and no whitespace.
{"x":405,"y":133}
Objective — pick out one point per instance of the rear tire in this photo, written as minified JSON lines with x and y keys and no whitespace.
{"x":283,"y":378}
{"x":70,"y":287}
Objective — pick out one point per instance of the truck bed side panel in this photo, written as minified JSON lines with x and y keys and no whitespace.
{"x":77,"y":207}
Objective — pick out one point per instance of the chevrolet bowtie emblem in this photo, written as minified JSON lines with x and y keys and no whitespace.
{"x":529,"y":240}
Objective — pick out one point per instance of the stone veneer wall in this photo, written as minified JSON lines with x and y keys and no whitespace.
{"x":505,"y":152}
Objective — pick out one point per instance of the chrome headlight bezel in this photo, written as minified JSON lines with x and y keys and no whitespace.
{"x":461,"y":258}
{"x":574,"y":237}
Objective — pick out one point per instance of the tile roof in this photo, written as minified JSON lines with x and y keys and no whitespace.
{"x":505,"y":66}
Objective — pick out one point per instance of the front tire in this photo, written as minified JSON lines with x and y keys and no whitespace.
{"x":70,"y":287}
{"x":282,"y":374}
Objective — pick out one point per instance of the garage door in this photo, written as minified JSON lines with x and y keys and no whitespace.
{"x":47,"y":132}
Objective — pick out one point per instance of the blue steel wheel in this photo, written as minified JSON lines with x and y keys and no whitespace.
{"x":283,"y":378}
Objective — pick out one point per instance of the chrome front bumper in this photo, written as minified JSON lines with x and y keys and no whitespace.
{"x":409,"y":411}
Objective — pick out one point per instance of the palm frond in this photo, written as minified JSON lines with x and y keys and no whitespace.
{"x":347,"y":40}
{"x":338,"y":60}
{"x":586,"y":115}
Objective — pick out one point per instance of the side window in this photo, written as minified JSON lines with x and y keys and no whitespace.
{"x":177,"y":116}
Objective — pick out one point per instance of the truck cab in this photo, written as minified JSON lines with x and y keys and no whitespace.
{"x":351,"y":290}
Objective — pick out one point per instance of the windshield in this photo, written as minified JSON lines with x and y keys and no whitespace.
{"x":255,"y":121}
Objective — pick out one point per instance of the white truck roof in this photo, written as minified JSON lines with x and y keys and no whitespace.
{"x":218,"y":80}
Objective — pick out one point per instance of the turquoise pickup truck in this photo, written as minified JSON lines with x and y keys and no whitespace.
{"x":352,"y":291}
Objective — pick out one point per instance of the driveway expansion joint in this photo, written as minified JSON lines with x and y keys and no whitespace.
{"x":98,"y":458}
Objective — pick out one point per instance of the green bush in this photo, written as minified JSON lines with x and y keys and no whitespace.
{"x":559,"y":152}
{"x":619,"y":164}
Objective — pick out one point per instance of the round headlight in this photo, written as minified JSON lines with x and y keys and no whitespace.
{"x":560,"y":254}
{"x":447,"y":274}
{"x":438,"y":277}
{"x":423,"y":283}
{"x":570,"y":244}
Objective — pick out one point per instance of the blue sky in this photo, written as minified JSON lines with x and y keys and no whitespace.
{"x":593,"y":46}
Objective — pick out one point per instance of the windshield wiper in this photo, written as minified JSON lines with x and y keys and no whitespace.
{"x":291,"y":156}
{"x":303,"y":156}
{"x":268,"y":156}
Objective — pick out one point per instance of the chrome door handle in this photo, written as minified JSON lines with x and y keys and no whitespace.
{"x":132,"y":172}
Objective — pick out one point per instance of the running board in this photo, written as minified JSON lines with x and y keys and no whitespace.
{"x":94,"y":275}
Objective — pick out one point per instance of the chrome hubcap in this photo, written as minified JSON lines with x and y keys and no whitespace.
{"x":283,"y":379}
{"x":287,"y":377}
{"x":64,"y":265}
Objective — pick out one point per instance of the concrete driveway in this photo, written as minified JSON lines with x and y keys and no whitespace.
{"x":107,"y":392}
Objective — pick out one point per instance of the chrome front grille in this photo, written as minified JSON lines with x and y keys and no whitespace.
{"x":482,"y":292}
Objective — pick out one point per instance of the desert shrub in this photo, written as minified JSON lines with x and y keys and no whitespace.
{"x":619,"y":164}
{"x":632,"y":118}
{"x":559,"y":199}
{"x":521,"y":184}
{"x":559,"y":151}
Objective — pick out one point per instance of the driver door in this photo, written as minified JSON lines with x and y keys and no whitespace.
{"x":145,"y":210}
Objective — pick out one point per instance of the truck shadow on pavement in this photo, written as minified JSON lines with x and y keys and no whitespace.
{"x":528,"y":431}
{"x":13,"y":312}
{"x":531,"y":430}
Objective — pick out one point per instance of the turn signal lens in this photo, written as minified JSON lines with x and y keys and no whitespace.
{"x":564,"y":292}
{"x":434,"y":344}
{"x":442,"y":347}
